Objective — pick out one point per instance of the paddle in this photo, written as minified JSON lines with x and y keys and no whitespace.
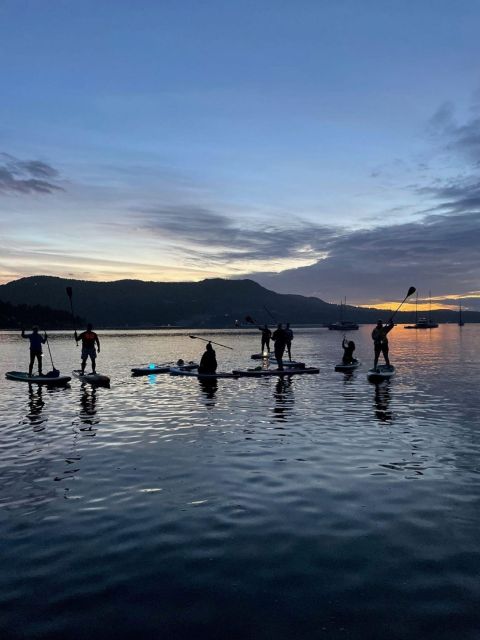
{"x":217,"y":343}
{"x":410,"y":292}
{"x":270,"y":314}
{"x":69,"y":291}
{"x":55,"y":372}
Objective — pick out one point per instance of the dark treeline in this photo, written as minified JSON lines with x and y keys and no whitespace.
{"x":211,"y":303}
{"x":25,"y":316}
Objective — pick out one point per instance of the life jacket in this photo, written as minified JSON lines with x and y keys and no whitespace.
{"x":89,"y":338}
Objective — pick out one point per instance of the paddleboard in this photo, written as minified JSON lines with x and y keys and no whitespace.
{"x":175,"y":371}
{"x":92,"y":378}
{"x":265,"y":373}
{"x":22,"y":376}
{"x":161,"y":368}
{"x":381,"y":373}
{"x":273,"y":360}
{"x":347,"y":368}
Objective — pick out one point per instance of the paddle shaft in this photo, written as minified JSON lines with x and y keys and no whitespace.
{"x":217,"y":343}
{"x":270,"y":314}
{"x":50,"y":353}
{"x":70,"y":296}
{"x":398,"y":308}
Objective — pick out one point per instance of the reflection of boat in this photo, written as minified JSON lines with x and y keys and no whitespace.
{"x":343,"y":325}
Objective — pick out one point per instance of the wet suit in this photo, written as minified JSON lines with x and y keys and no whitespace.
{"x":36,"y":351}
{"x":380,"y":342}
{"x":208,"y":363}
{"x":348,"y":349}
{"x":280,"y":339}
{"x":88,"y":339}
{"x":266,"y":335}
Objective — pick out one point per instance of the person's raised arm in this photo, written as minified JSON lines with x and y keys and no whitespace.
{"x":23,"y":334}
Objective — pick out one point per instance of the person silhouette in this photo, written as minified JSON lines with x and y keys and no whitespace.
{"x":36,"y":351}
{"x":208,"y":363}
{"x":380,"y":341}
{"x":88,"y":339}
{"x":266,"y":335}
{"x":280,"y":339}
{"x":348,"y":349}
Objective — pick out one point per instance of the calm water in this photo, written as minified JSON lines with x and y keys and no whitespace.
{"x":319,"y":507}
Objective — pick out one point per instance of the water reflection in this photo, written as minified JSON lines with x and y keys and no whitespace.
{"x":209,"y":388}
{"x":88,"y":408}
{"x":382,"y":401}
{"x":35,"y":407}
{"x":284,"y":398}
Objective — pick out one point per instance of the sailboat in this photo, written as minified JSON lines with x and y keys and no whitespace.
{"x":460,"y":319}
{"x":423,"y":323}
{"x":343,"y":325}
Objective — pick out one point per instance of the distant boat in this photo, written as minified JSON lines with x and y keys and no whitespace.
{"x":343,"y":325}
{"x":423,"y":323}
{"x":460,"y":319}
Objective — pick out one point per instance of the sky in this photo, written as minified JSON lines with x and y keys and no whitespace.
{"x":324,"y":147}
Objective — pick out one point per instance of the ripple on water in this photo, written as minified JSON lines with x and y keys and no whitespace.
{"x":320,"y":505}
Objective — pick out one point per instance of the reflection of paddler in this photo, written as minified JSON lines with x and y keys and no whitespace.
{"x":208,"y":363}
{"x":380,"y":341}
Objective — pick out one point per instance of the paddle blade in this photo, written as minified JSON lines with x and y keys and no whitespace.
{"x":193,"y":337}
{"x":69,"y":292}
{"x":411,"y":291}
{"x":249,"y":319}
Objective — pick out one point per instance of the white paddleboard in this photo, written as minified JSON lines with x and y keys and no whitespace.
{"x":382,"y":372}
{"x":92,"y":378}
{"x":347,"y":368}
{"x":174,"y":371}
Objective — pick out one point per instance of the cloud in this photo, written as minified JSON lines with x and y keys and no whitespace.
{"x":439,"y":252}
{"x":463,"y":138}
{"x":211,"y":235}
{"x":26,"y":176}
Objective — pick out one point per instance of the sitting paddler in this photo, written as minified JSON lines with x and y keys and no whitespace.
{"x":380,"y":341}
{"x":89,"y":340}
{"x":266,"y":335}
{"x":208,"y":363}
{"x":280,"y":338}
{"x":36,"y":351}
{"x":348,"y":349}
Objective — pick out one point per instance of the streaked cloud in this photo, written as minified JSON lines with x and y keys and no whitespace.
{"x":27,"y":176}
{"x":238,"y":238}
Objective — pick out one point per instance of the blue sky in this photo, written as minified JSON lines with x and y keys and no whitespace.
{"x":183,"y":140}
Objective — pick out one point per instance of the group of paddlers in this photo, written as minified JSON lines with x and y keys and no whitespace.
{"x":380,"y":345}
{"x":88,"y":338}
{"x":282,"y":338}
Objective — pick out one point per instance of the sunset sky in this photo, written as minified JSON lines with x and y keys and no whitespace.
{"x":328,"y":148}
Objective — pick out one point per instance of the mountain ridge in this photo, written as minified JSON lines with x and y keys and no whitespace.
{"x":213,"y":302}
